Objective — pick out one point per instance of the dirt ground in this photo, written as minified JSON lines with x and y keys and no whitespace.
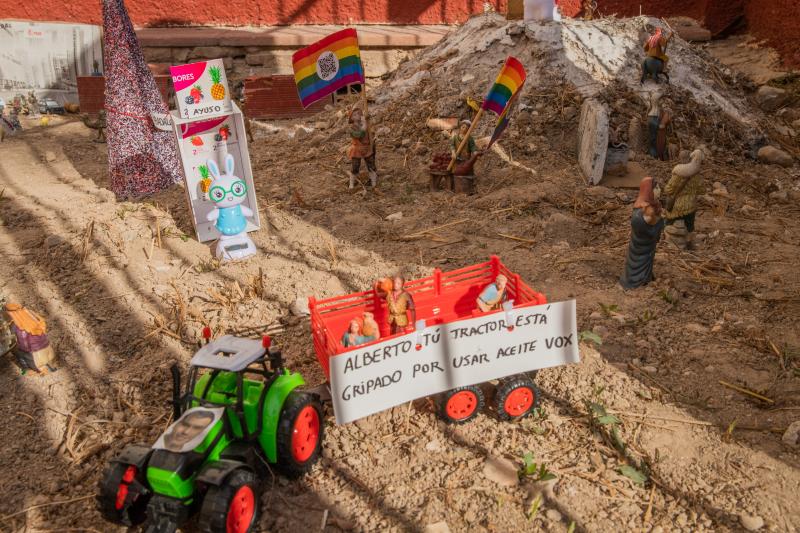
{"x":126,"y":289}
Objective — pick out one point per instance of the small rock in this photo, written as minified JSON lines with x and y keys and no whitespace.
{"x":553,"y":515}
{"x":501,"y":471}
{"x":696,"y":328}
{"x":442,"y":124}
{"x":774,"y":156}
{"x":395,"y":216}
{"x":118,"y":416}
{"x":406,"y":142}
{"x":433,"y":446}
{"x":49,"y":156}
{"x":771,"y":98}
{"x":383,"y":131}
{"x":600,"y":331}
{"x":299,"y":307}
{"x":650,"y":369}
{"x":596,"y":315}
{"x":791,"y":436}
{"x":780,"y":196}
{"x":751,"y":522}
{"x":438,"y":527}
{"x":52,"y":241}
{"x":466,"y":78}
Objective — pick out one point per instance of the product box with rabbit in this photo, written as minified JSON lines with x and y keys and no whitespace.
{"x":219,"y":181}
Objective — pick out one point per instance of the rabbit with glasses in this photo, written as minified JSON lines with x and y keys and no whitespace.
{"x":227,"y":192}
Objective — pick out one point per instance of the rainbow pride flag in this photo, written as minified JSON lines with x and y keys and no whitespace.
{"x":327,"y":65}
{"x":503,"y":120}
{"x":507,"y":84}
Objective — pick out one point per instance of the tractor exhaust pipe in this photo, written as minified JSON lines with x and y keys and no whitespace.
{"x":176,"y":391}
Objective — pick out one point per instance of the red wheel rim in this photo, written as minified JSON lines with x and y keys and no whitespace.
{"x":241,"y":511}
{"x":519,"y":401}
{"x":461,"y":405}
{"x":305,"y":434}
{"x":122,"y":488}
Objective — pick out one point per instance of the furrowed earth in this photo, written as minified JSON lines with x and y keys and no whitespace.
{"x":126,"y":289}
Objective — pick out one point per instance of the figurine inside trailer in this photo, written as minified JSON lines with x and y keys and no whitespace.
{"x":493,"y":295}
{"x":362,"y":146}
{"x":33,"y":350}
{"x":398,"y":301}
{"x":646,"y":228}
{"x":655,"y":63}
{"x":227,"y":192}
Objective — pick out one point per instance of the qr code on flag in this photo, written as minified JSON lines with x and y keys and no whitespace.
{"x":327,"y":66}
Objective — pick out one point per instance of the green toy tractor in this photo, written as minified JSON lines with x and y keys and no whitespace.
{"x":228,"y":428}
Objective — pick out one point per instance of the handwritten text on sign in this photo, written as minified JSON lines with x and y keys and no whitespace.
{"x":439,"y":358}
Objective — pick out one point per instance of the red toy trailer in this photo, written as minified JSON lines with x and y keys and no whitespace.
{"x":442,"y":298}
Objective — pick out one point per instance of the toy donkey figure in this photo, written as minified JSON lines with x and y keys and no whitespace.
{"x":228,"y":192}
{"x":656,"y":61}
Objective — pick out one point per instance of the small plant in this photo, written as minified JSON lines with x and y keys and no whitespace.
{"x":531,"y":469}
{"x":668,"y":296}
{"x":646,"y":317}
{"x":609,"y":310}
{"x":608,"y":426}
{"x":590,"y":336}
{"x":207,"y":265}
{"x":533,"y":510}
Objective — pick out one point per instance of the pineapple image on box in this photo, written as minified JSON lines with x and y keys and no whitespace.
{"x":217,"y":89}
{"x":205,"y":181}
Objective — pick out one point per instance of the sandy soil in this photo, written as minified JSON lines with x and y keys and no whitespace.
{"x":126,"y":289}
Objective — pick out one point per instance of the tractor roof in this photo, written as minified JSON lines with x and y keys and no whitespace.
{"x":230,"y":353}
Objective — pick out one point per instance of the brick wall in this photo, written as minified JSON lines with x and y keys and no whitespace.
{"x":92,"y":92}
{"x":273,"y":97}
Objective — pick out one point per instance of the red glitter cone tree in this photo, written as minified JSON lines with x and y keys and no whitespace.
{"x":142,"y":160}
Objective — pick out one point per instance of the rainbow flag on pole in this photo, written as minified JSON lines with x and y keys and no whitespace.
{"x":507,"y":84}
{"x":327,"y":65}
{"x":503,"y":120}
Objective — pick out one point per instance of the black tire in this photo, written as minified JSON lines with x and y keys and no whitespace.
{"x":300,"y":410}
{"x":516,"y":397}
{"x":470,"y":403}
{"x":133,"y":509}
{"x":220,"y":503}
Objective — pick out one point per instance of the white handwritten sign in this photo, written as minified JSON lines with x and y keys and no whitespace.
{"x":439,"y":358}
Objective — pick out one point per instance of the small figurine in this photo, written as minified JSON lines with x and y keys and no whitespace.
{"x":646,"y":228}
{"x":98,"y":124}
{"x":228,"y":192}
{"x":681,"y":194}
{"x":33,"y":350}
{"x":96,"y":68}
{"x":659,"y":119}
{"x":370,"y":328}
{"x":354,"y":336}
{"x":455,"y":141}
{"x":656,"y":61}
{"x":398,"y":301}
{"x":493,"y":295}
{"x":362,"y":147}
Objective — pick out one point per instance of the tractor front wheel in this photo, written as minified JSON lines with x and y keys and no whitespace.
{"x":232,"y":507}
{"x":122,"y":498}
{"x":300,"y":433}
{"x":460,"y":405}
{"x":516,"y":397}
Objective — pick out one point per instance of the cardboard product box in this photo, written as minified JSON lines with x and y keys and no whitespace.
{"x":201,"y":89}
{"x":213,"y":137}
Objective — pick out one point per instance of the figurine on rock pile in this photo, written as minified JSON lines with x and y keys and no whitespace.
{"x":646,"y":228}
{"x":680,"y":201}
{"x":656,"y":61}
{"x":362,"y":147}
{"x":659,"y":118}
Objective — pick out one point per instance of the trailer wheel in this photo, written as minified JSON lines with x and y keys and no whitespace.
{"x":461,"y":404}
{"x":121,"y":498}
{"x":516,"y":397}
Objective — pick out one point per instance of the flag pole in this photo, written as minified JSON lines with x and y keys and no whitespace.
{"x":461,"y":146}
{"x":364,"y":105}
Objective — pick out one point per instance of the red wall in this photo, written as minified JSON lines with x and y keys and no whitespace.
{"x":255,"y":12}
{"x":777,"y":21}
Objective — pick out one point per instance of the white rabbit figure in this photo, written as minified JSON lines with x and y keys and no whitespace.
{"x":227,"y":192}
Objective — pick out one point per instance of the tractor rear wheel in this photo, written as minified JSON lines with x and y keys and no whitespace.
{"x":460,"y":405}
{"x":233,"y":506}
{"x":122,"y":498}
{"x":300,"y":433}
{"x":516,"y":397}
